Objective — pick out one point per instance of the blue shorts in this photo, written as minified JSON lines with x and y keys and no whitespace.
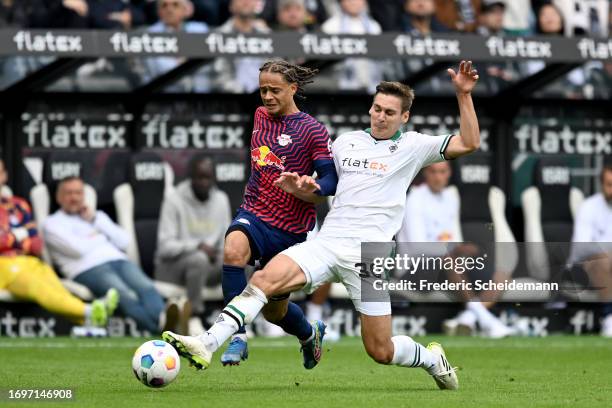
{"x":265,"y":240}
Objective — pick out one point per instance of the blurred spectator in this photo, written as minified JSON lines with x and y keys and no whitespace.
{"x":387,"y":13}
{"x":550,"y":20}
{"x":14,"y":13}
{"x":315,"y":12}
{"x":172,"y":16}
{"x":518,"y":17}
{"x":44,"y":13}
{"x":89,"y":248}
{"x":291,"y":16}
{"x":115,"y":14}
{"x":239,"y":75}
{"x":191,"y":233}
{"x":491,"y":18}
{"x":498,"y":75}
{"x":585,"y":17}
{"x":27,"y":277}
{"x":355,"y":73}
{"x":419,"y":18}
{"x":432,"y":216}
{"x":460,"y":15}
{"x":212,"y":12}
{"x":591,"y":246}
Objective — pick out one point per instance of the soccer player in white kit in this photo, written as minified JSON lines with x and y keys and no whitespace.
{"x":375,"y":168}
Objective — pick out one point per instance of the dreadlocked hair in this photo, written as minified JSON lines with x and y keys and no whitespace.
{"x":292,"y":73}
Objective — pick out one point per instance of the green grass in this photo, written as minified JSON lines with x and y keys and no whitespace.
{"x":519,"y":372}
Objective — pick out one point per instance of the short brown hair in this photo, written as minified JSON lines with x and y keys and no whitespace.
{"x":402,"y":91}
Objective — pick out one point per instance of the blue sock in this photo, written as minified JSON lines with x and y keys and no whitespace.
{"x":233,"y":283}
{"x":295,"y":322}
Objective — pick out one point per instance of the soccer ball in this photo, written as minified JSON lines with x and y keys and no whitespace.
{"x":156,"y":363}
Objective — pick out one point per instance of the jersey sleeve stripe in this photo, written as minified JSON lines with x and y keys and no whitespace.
{"x":444,"y":146}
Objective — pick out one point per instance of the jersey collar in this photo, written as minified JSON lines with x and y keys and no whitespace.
{"x":393,"y":138}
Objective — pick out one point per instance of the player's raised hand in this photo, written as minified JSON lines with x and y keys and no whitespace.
{"x":465,"y":79}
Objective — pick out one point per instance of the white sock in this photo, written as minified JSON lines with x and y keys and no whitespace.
{"x":485,"y":318}
{"x":314,"y":312}
{"x":87,"y":314}
{"x":242,"y":309}
{"x":409,"y":353}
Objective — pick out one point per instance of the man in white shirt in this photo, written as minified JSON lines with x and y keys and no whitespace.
{"x":432,"y":215}
{"x":375,"y":168}
{"x":89,"y":248}
{"x":592,"y":244}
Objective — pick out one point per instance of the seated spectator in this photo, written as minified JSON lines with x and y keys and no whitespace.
{"x":291,"y":16}
{"x":27,"y":277}
{"x":591,"y":244}
{"x":518,"y":17}
{"x":491,"y":18}
{"x":355,"y":73}
{"x":240,"y":75}
{"x":114,"y":14}
{"x":314,"y":12}
{"x":432,"y":215}
{"x":460,"y":15}
{"x":191,"y":233}
{"x":172,"y":18}
{"x":419,"y":18}
{"x":89,"y":248}
{"x":497,"y":75}
{"x":549,"y":21}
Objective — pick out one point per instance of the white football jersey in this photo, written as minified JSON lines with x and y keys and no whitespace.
{"x":374,"y":176}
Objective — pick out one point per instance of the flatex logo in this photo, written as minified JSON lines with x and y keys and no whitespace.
{"x":590,"y":49}
{"x":48,"y":42}
{"x":407,"y":45}
{"x":503,"y":47}
{"x":351,"y":164}
{"x":144,"y":43}
{"x":239,"y":44}
{"x":334,"y":45}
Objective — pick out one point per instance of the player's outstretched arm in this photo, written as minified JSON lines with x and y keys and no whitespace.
{"x":303,"y":187}
{"x":469,"y":138}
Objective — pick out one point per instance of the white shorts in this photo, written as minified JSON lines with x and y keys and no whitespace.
{"x":335,"y":261}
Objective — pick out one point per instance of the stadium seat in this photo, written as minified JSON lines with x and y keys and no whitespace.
{"x":549,"y":208}
{"x":138,"y":203}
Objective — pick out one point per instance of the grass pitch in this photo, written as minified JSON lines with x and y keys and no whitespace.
{"x":519,"y":372}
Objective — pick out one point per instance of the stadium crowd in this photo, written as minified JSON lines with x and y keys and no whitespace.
{"x":239,"y":75}
{"x":517,"y":17}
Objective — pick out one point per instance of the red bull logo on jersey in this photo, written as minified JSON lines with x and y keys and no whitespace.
{"x":263,"y":156}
